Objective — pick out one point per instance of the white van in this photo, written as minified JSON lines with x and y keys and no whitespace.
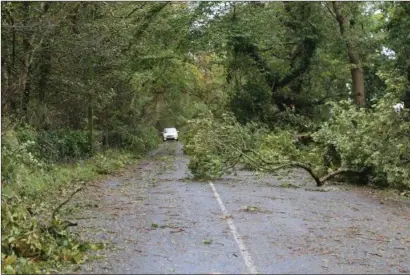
{"x":170,"y":133}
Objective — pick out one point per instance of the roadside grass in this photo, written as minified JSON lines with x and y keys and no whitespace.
{"x":34,"y":237}
{"x":43,"y":183}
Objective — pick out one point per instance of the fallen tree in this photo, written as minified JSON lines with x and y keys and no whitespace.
{"x":368,"y":146}
{"x":262,"y":164}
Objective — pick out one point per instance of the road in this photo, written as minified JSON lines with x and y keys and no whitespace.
{"x":156,"y":220}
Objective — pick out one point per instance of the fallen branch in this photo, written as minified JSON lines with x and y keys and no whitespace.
{"x":319,"y":181}
{"x":307,"y":167}
{"x":261,"y":159}
{"x":64,"y":203}
{"x":341,"y":171}
{"x":298,"y":165}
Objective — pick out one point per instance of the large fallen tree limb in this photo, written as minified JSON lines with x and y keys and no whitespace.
{"x":266,"y":165}
{"x":298,"y":165}
{"x":319,"y":181}
{"x":342,"y":171}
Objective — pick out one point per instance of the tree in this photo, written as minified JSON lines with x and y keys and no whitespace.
{"x":356,"y":69}
{"x":397,"y":22}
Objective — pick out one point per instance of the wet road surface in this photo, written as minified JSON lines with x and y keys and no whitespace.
{"x":155,"y":220}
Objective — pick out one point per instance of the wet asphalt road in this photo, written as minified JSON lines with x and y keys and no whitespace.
{"x":155,"y":220}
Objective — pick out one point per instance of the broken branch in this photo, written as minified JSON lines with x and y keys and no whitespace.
{"x":64,"y":203}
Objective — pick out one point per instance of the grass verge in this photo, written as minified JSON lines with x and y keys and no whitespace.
{"x":34,"y":237}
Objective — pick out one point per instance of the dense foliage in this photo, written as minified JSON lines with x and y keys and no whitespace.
{"x":87,"y":87}
{"x":377,"y":150}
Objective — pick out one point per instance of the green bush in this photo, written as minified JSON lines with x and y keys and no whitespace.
{"x":138,"y":141}
{"x":27,"y":202}
{"x":32,"y":178}
{"x":25,"y":133}
{"x":63,"y":145}
{"x":106,"y":164}
{"x":143,"y":140}
{"x":47,"y":146}
{"x":16,"y":159}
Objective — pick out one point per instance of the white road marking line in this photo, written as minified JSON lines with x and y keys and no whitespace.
{"x":244,"y":251}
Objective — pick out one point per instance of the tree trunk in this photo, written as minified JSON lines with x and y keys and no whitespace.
{"x":90,"y":125}
{"x":28,"y":52}
{"x":24,"y":90}
{"x":90,"y":122}
{"x":4,"y":81}
{"x":13,"y":50}
{"x":406,"y":98}
{"x":72,"y":17}
{"x":26,"y":93}
{"x":45,"y":68}
{"x":354,"y":59}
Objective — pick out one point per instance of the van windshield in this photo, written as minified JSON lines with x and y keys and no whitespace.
{"x":170,"y":130}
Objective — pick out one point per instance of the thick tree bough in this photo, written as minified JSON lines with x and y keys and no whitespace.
{"x":342,"y":171}
{"x":298,"y":165}
{"x":319,"y":181}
